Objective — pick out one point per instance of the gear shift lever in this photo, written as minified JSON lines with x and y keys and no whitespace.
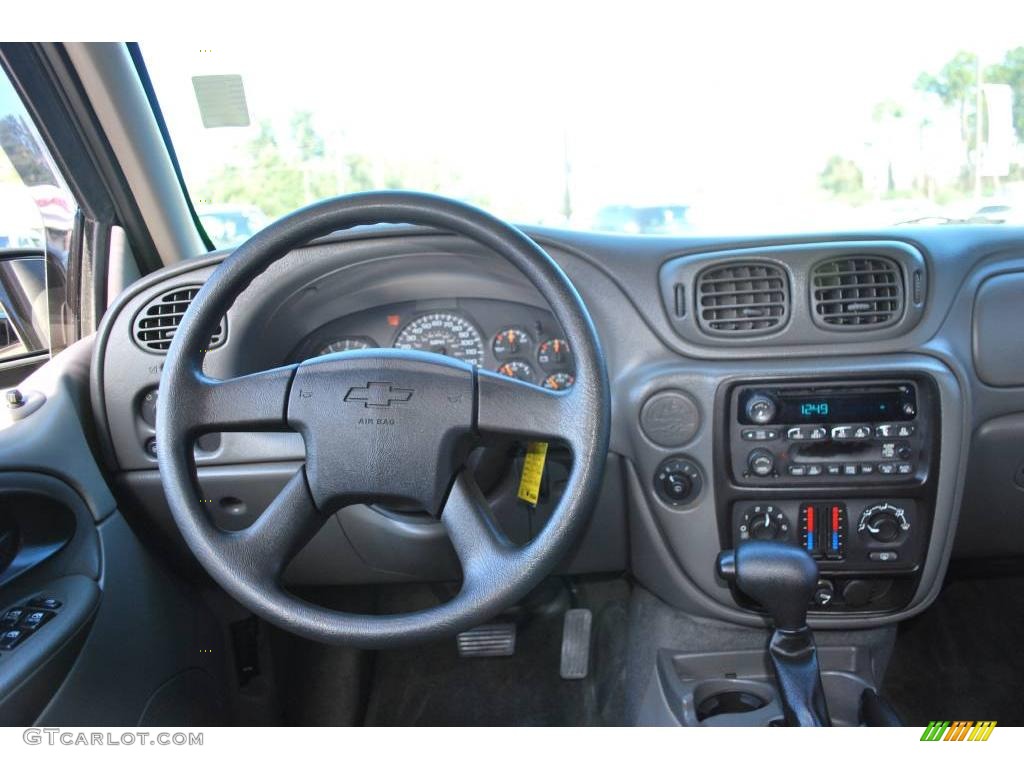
{"x":782,"y":578}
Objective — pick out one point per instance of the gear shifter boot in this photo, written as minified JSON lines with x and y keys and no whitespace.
{"x":794,"y":659}
{"x":782,"y":579}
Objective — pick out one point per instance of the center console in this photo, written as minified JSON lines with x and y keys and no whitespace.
{"x":842,"y":468}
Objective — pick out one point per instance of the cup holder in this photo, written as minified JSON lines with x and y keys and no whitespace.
{"x":727,"y":697}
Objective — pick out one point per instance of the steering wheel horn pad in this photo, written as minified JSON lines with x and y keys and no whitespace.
{"x":383,"y":425}
{"x":380,"y":425}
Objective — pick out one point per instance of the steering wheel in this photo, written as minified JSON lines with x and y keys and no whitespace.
{"x":380,"y":425}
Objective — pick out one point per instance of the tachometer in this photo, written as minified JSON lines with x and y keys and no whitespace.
{"x":346,"y":343}
{"x":443,"y":333}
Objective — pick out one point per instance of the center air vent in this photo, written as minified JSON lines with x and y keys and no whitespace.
{"x":748,"y":298}
{"x":857,"y":291}
{"x":156,"y":323}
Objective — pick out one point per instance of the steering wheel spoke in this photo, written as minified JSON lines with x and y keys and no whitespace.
{"x":512,"y":407}
{"x":479,"y":544}
{"x":269,"y":544}
{"x":256,"y":402}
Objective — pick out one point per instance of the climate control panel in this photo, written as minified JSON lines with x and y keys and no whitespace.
{"x":845,"y":535}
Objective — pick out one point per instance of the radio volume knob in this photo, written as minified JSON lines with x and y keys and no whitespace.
{"x":761,"y":462}
{"x":761,"y":409}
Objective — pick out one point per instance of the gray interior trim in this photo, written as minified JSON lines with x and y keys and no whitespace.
{"x":797,"y":261}
{"x":112,"y":85}
{"x":618,"y":278}
{"x":670,"y":546}
{"x":51,"y":440}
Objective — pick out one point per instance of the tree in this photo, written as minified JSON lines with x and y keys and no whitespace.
{"x":842,"y":177}
{"x":20,"y":146}
{"x":1011,"y":72}
{"x":309,"y":142}
{"x":269,"y":180}
{"x":956,"y":86}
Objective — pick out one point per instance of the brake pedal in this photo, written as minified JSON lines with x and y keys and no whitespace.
{"x":576,"y":644}
{"x":488,"y":640}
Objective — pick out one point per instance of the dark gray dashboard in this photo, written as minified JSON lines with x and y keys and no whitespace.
{"x":353,"y":284}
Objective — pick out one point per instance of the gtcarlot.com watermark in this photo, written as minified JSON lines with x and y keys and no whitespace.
{"x":65,"y":737}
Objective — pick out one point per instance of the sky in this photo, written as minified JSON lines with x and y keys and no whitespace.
{"x":722,"y":104}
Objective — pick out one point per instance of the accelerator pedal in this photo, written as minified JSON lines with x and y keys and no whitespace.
{"x":576,"y":644}
{"x":488,"y":640}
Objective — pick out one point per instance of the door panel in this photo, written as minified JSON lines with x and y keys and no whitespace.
{"x":118,"y":625}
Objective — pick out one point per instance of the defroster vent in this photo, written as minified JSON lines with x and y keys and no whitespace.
{"x":748,"y":298}
{"x":156,"y":323}
{"x":857,"y":291}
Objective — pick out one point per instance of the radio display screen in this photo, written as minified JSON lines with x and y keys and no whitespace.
{"x":845,"y":408}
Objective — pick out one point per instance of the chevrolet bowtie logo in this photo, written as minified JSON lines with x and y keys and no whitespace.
{"x":378,"y":394}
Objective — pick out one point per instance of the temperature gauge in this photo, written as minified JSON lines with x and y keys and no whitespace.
{"x":517,"y":369}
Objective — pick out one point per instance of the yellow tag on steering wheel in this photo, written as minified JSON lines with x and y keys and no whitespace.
{"x":533,"y":470}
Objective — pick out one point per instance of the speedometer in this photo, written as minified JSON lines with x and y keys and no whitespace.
{"x":443,"y":333}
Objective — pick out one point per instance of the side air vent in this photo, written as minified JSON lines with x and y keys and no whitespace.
{"x":156,"y":323}
{"x":857,"y":291}
{"x":746,"y":298}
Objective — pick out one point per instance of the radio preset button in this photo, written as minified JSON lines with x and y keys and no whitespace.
{"x":842,"y":433}
{"x":817,"y":433}
{"x":861,"y":432}
{"x":904,"y":430}
{"x":885,"y":430}
{"x":795,"y":433}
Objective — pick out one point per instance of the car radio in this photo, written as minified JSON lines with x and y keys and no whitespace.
{"x":830,"y":433}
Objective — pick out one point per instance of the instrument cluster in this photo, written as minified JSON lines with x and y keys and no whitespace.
{"x":516,"y":340}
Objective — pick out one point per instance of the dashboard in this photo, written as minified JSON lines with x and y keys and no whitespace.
{"x":513,"y":339}
{"x":851,"y":394}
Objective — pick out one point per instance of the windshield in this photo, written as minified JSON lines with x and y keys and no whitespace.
{"x":654,"y":124}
